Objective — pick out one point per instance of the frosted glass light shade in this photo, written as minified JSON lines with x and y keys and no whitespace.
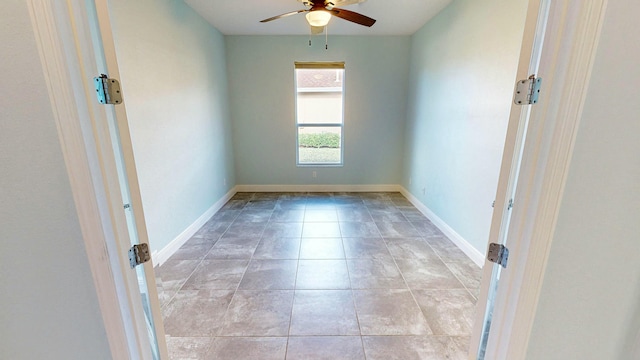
{"x":318,"y":17}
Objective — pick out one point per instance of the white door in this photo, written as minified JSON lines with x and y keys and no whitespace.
{"x":127,"y":210}
{"x":534,"y":33}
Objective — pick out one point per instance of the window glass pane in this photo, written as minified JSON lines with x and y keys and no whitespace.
{"x":320,"y":145}
{"x":320,"y":107}
{"x":319,"y":96}
{"x":319,"y":78}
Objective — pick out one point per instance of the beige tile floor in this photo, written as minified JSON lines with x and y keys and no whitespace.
{"x":318,"y":276}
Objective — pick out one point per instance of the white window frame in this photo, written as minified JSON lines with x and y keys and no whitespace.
{"x":324,"y":66}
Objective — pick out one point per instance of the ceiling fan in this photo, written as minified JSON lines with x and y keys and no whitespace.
{"x":320,"y":11}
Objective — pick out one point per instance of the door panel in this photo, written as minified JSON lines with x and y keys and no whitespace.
{"x":128,"y":213}
{"x":512,"y":157}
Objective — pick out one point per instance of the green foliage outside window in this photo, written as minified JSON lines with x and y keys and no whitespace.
{"x":323,"y":140}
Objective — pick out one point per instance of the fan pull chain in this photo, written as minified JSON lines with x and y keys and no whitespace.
{"x":326,"y":37}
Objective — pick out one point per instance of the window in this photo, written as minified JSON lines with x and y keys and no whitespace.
{"x":319,"y":113}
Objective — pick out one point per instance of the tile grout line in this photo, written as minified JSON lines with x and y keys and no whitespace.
{"x":453,"y":273}
{"x":353,"y":293}
{"x":219,"y":334}
{"x":194,"y":269}
{"x":191,"y":274}
{"x":405,"y":281}
{"x":423,"y":238}
{"x":295,"y":282}
{"x":346,"y":262}
{"x":446,"y":264}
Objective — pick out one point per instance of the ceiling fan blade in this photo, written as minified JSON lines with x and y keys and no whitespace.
{"x":353,"y":17}
{"x":348,"y":2}
{"x":283,"y":15}
{"x":317,"y":30}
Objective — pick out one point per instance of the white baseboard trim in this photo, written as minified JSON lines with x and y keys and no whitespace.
{"x":476,"y":256}
{"x":318,"y":188}
{"x":162,"y":255}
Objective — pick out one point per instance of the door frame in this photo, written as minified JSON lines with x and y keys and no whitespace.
{"x":63,"y":32}
{"x":119,"y":114}
{"x":569,"y":50}
{"x":515,"y":137}
{"x":60,"y":29}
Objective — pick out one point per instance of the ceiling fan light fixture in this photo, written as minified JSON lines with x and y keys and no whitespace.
{"x":318,"y":17}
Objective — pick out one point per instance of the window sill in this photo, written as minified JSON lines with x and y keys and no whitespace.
{"x":318,"y":165}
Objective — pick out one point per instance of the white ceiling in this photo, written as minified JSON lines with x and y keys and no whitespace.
{"x":242,"y":17}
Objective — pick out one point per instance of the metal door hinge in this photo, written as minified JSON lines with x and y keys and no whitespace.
{"x":139,"y":254}
{"x":107,"y":90}
{"x":498,"y":254}
{"x":510,"y":206}
{"x":527,"y":91}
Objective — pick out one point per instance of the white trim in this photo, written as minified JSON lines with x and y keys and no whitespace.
{"x":567,"y":60}
{"x":516,"y":136}
{"x":162,"y":255}
{"x":300,"y":125}
{"x":476,"y":256}
{"x":318,"y":188}
{"x":565,"y":65}
{"x":320,"y":90}
{"x":81,"y":159}
{"x":105,"y":62}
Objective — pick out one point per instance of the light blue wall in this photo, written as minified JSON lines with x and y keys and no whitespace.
{"x":261,"y":78}
{"x":463,"y":67}
{"x":174,"y":81}
{"x":589,"y":305}
{"x":48,"y":303}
